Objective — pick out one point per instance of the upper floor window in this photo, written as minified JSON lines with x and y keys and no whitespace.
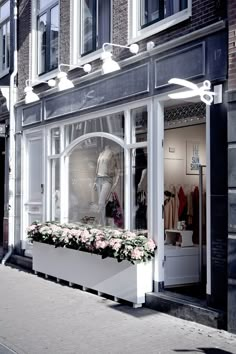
{"x":4,"y":36}
{"x":95,"y":24}
{"x":48,"y":30}
{"x":148,"y":17}
{"x":153,"y":10}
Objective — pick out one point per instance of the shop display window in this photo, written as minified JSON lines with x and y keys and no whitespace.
{"x":112,"y":123}
{"x":140,"y":190}
{"x":55,"y":190}
{"x":104,"y":173}
{"x":96,"y":183}
{"x":55,"y":136}
{"x":139,"y":124}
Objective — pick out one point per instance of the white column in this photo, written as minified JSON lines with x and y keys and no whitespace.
{"x":156,"y":187}
{"x":208,"y":201}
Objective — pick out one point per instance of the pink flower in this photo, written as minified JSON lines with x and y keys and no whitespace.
{"x":151,"y":245}
{"x":129,"y":235}
{"x":101,"y":244}
{"x":75,"y":232}
{"x":137,"y":254}
{"x":116,"y":233}
{"x":85,"y":236}
{"x":115,"y":244}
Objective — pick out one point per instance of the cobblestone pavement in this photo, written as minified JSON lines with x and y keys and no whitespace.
{"x":39,"y":316}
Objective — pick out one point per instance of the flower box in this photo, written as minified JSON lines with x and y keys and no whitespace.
{"x":122,"y":280}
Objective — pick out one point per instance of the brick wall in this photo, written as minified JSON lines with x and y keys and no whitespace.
{"x":204,"y":13}
{"x":232,"y":45}
{"x":64,"y":34}
{"x":23,"y":44}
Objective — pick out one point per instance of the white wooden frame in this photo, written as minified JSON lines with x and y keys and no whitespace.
{"x":29,"y":135}
{"x":33,"y":47}
{"x":75,"y":35}
{"x":135,"y":34}
{"x":154,"y":144}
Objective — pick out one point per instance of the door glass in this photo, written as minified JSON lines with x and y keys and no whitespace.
{"x":35,"y":170}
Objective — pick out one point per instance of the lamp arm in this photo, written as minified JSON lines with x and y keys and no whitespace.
{"x":115,"y":45}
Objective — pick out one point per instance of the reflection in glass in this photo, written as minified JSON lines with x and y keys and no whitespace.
{"x":55,"y":138}
{"x":139,"y":163}
{"x":95,"y":178}
{"x":42,"y":23}
{"x":54,"y":38}
{"x":5,"y":10}
{"x":55,"y":190}
{"x":112,"y":123}
{"x":88,"y":24}
{"x":139,"y":124}
{"x":156,"y":10}
{"x":44,"y":3}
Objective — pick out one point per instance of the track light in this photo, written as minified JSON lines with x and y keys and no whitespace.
{"x":110,"y":65}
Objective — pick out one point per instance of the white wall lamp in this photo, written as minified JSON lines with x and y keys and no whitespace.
{"x":30,"y":95}
{"x":63,"y":82}
{"x":110,"y":65}
{"x":203,"y":91}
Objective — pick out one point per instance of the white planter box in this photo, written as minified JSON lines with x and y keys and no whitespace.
{"x":122,"y":280}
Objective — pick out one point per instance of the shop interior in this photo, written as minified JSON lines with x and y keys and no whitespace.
{"x":185,"y":199}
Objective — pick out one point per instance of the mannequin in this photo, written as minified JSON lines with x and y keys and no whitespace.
{"x":107,"y":177}
{"x":142,"y":186}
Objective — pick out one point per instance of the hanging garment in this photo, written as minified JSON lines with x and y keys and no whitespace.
{"x":175,"y":207}
{"x":189,"y":210}
{"x":182,"y":212}
{"x":195,"y":198}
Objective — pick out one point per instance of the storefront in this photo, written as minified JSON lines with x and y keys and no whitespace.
{"x":121,"y":135}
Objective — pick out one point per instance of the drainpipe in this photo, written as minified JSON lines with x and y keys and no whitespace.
{"x":12,"y":100}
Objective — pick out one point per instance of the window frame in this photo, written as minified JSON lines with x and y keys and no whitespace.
{"x":137,"y":32}
{"x":33,"y":46}
{"x":47,"y":11}
{"x":5,"y":21}
{"x":76,"y":34}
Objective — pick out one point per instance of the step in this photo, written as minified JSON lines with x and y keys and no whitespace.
{"x":187,"y":308}
{"x":20,"y":261}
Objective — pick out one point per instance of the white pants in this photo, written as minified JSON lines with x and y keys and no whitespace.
{"x":104,"y":185}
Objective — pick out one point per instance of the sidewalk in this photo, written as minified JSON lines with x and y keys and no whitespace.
{"x":39,"y":316}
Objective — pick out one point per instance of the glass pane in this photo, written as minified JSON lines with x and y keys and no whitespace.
{"x":55,"y":139}
{"x":42,"y":24}
{"x":44,"y":3}
{"x":54,"y":38}
{"x":55,"y":190}
{"x":88,"y":26}
{"x":112,"y":123}
{"x":8,"y":45}
{"x":96,"y":176}
{"x":174,"y":6}
{"x":5,"y":10}
{"x":104,"y":19}
{"x":3,"y":47}
{"x":35,"y":170}
{"x":139,"y":124}
{"x":140,"y":190}
{"x":151,"y":11}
